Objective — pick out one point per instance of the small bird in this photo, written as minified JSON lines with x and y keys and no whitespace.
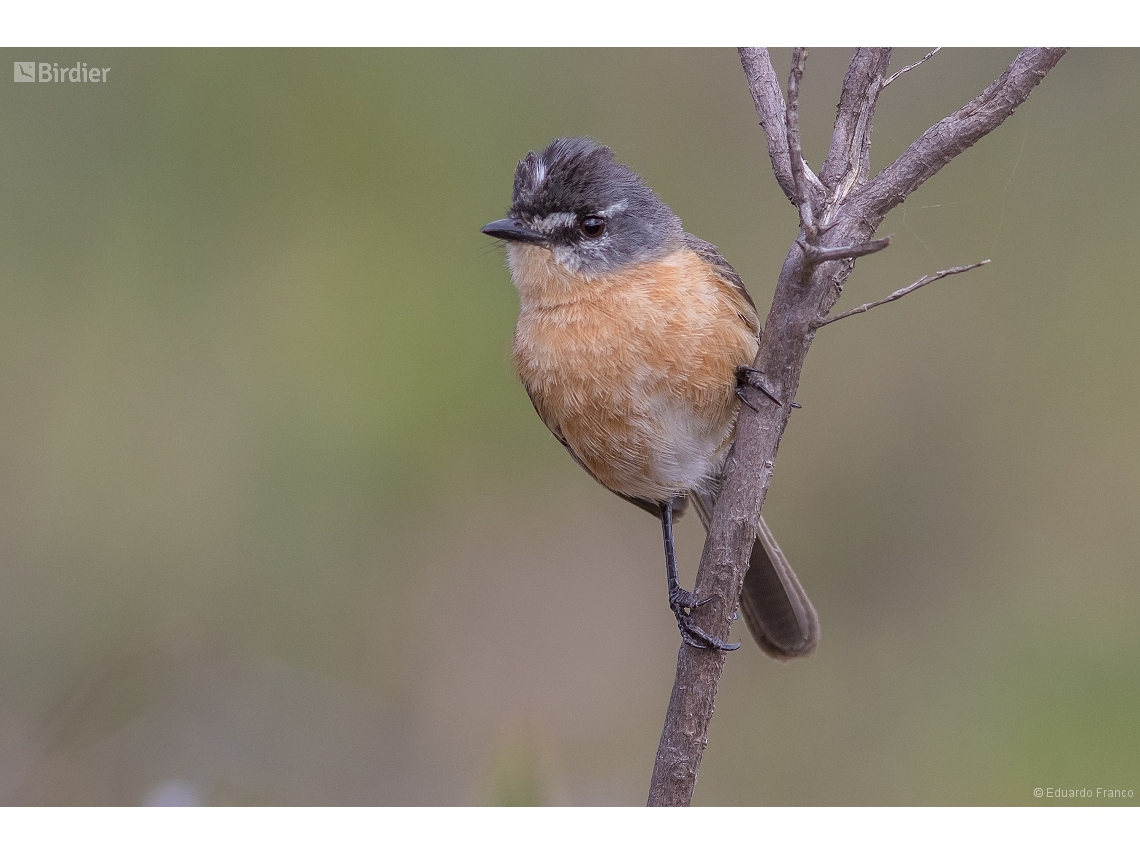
{"x":633,"y":341}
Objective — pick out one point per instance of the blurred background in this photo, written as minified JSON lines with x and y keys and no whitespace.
{"x":278,"y":524}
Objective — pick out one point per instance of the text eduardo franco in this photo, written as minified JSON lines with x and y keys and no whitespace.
{"x":50,"y":72}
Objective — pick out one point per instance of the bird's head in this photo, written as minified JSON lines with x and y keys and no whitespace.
{"x":593,"y":214}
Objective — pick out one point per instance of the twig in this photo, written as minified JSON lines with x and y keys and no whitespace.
{"x":820,"y":254}
{"x":804,"y":293}
{"x":902,"y":292}
{"x":795,"y":152}
{"x":769,"y":101}
{"x":907,"y":68}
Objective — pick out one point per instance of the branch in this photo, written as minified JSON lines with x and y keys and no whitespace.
{"x":902,"y":292}
{"x":848,"y":160}
{"x":795,"y":151}
{"x":947,"y":139}
{"x":804,"y":294}
{"x":769,"y":101}
{"x":907,"y":68}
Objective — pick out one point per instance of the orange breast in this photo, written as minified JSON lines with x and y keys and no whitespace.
{"x":635,"y":371}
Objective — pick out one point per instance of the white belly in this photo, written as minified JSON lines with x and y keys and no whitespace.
{"x":684,"y":451}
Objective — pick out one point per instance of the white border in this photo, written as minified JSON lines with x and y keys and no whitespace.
{"x":611,"y":23}
{"x":552,"y":831}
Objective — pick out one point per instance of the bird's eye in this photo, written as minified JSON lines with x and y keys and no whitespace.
{"x":592,"y":227}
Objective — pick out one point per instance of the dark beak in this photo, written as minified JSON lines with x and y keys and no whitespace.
{"x":512,"y":229}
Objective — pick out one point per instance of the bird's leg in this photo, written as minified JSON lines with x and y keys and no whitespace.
{"x":681,"y":601}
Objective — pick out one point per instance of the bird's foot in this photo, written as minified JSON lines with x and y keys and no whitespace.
{"x":748,"y":377}
{"x":682,"y":602}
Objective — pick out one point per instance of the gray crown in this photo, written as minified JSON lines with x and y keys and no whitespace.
{"x":576,"y":178}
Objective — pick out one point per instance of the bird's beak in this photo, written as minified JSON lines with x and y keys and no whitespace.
{"x":512,"y":229}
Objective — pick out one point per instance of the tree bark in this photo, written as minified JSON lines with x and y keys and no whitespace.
{"x":839,"y":213}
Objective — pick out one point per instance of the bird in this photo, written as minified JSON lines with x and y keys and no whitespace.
{"x":634,"y":340}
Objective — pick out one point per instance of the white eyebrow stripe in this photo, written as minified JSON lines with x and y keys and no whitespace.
{"x":616,"y":208}
{"x":553,"y":221}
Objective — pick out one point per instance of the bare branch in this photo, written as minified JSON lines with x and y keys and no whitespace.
{"x":769,"y":101}
{"x":820,"y":254}
{"x":902,"y":292}
{"x":953,"y":135}
{"x":795,"y":151}
{"x":907,"y":68}
{"x":804,"y":294}
{"x":848,"y":160}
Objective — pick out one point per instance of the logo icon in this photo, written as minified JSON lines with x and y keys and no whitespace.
{"x":24,"y":72}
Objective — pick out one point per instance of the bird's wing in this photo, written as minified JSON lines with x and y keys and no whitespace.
{"x":726,"y":274}
{"x":553,"y":427}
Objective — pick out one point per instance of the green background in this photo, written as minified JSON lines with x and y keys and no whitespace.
{"x":279,"y":525}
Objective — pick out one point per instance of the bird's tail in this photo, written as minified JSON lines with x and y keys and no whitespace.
{"x":776,"y":610}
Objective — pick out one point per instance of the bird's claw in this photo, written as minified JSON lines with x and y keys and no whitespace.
{"x":740,"y":394}
{"x":682,"y":602}
{"x":747,"y":376}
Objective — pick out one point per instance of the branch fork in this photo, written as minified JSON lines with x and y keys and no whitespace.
{"x":813,"y":252}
